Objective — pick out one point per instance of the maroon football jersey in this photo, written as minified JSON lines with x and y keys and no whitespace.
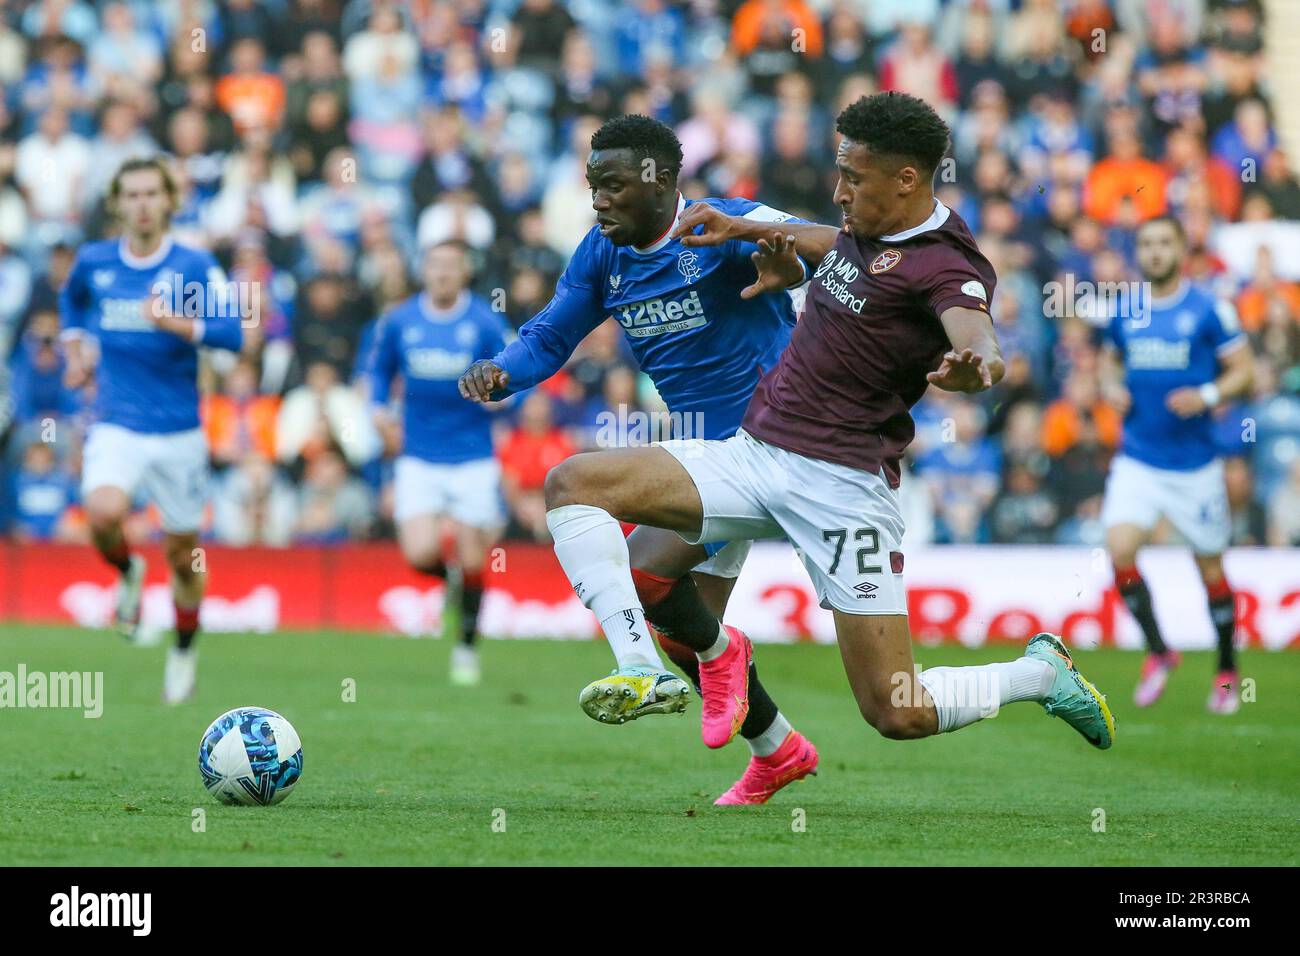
{"x":870,"y":332}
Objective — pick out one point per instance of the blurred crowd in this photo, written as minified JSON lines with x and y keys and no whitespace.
{"x":321,"y":144}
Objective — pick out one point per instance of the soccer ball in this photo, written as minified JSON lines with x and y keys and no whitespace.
{"x":250,"y":755}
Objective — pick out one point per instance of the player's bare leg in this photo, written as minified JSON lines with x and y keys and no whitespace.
{"x":188,"y":575}
{"x":1225,"y":694}
{"x":1122,"y":543}
{"x":586,"y":497}
{"x":422,"y":540}
{"x":106,"y":509}
{"x":904,"y":704}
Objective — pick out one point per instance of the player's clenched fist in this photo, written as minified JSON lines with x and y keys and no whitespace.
{"x":482,"y":379}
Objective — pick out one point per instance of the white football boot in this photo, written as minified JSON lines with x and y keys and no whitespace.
{"x":464,"y":666}
{"x":179,"y":675}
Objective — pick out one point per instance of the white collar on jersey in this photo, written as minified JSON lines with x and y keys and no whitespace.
{"x":132,"y":261}
{"x":1173,"y":298}
{"x":937,"y":219}
{"x":666,"y":237}
{"x":454,"y":311}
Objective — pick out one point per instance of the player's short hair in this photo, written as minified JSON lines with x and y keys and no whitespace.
{"x":145,"y":162}
{"x":896,"y":124}
{"x":645,"y":137}
{"x":1168,"y":218}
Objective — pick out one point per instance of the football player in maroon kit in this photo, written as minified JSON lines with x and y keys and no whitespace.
{"x":898,"y":300}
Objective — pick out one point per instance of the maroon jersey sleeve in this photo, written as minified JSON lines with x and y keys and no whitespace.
{"x":954,"y":281}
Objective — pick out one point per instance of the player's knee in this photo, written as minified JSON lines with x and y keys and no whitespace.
{"x":185,"y":562}
{"x":567,"y":484}
{"x":103,"y":516}
{"x":898,"y":723}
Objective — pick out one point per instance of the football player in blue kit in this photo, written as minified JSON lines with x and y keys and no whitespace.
{"x":150,"y":303}
{"x":1183,"y":355}
{"x":446,"y":479}
{"x":705,"y":347}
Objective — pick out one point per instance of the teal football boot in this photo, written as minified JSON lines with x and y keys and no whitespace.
{"x":1072,"y":697}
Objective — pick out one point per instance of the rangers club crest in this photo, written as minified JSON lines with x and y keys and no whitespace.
{"x":885,"y":261}
{"x":688,"y":265}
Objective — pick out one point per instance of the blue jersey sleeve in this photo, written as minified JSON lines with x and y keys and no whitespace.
{"x":74,"y":300}
{"x":1222,"y":327}
{"x":383,"y":359}
{"x":222,"y":327}
{"x":548,"y":339}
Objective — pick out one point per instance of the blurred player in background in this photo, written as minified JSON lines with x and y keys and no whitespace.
{"x":123,"y":293}
{"x":899,"y":301}
{"x":1182,"y":356}
{"x":705,"y":347}
{"x":447,"y":483}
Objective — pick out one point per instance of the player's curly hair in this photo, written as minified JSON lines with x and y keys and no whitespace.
{"x":646,"y":137}
{"x":896,"y":124}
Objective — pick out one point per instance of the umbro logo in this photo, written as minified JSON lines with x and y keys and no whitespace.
{"x":866,"y":588}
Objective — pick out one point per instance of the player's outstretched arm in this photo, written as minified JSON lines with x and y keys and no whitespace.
{"x":975,"y":361}
{"x":705,"y":225}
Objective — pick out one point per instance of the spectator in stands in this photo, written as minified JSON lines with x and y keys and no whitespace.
{"x":333,"y":505}
{"x":238,"y":421}
{"x":1124,"y":174}
{"x":1080,"y":414}
{"x":961,"y":470}
{"x":250,"y":94}
{"x":1284,"y":511}
{"x":322,"y":414}
{"x":252,"y":504}
{"x":1249,"y":519}
{"x":42,"y":496}
{"x":1023,"y":512}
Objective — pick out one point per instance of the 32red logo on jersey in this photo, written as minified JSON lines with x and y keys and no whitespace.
{"x":885,"y":261}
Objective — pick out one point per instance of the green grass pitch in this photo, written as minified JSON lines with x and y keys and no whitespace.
{"x":415,"y":772}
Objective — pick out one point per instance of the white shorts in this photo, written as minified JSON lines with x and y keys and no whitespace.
{"x":844,"y":523}
{"x":1195,"y":502}
{"x":172,"y":468}
{"x":469,"y":492}
{"x":727,"y":562}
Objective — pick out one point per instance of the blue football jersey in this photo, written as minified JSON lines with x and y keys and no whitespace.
{"x":147,"y":377}
{"x":1175,"y":344}
{"x":432,"y":349}
{"x":704,"y":347}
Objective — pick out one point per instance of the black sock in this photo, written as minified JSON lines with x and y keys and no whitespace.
{"x":1223,"y":612}
{"x":1137,"y":597}
{"x":471,"y":599}
{"x":683,"y":618}
{"x":434,"y":569}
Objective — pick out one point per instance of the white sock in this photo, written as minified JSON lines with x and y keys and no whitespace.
{"x":716,"y":649}
{"x":963,"y":695}
{"x":767,"y":743}
{"x":593,"y":553}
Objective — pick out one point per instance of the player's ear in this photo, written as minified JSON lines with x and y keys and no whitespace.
{"x":908,"y":179}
